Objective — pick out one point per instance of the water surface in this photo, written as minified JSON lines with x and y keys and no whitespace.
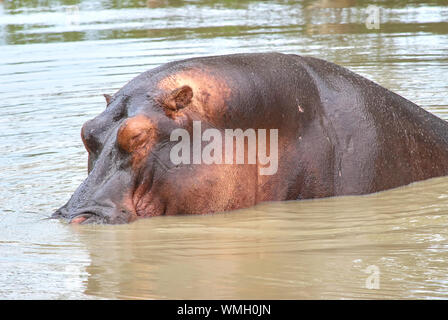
{"x":57,"y":58}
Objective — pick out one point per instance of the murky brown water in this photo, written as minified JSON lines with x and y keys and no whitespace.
{"x":57,"y":60}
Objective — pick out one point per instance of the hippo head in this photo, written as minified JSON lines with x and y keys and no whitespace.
{"x":130,"y":173}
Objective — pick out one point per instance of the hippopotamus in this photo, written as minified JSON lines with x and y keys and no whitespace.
{"x":337,"y":133}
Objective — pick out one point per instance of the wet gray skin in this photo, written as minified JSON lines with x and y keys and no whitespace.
{"x":335,"y":138}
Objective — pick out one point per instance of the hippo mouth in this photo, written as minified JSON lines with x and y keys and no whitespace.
{"x":82,"y":218}
{"x":85,"y":216}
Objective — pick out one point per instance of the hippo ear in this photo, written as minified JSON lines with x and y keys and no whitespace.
{"x":178,"y":98}
{"x":108,"y":98}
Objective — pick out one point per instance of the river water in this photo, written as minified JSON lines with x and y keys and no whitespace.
{"x":57,"y":58}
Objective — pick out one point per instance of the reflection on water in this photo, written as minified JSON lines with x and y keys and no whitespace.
{"x":307,"y":249}
{"x":58,"y":57}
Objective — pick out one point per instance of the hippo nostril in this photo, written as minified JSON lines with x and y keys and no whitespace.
{"x":56,"y":215}
{"x":60,"y":213}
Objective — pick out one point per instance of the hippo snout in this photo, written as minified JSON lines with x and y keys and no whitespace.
{"x":80,"y":217}
{"x":93,"y":215}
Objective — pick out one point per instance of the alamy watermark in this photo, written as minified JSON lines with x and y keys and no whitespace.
{"x":373,"y":17}
{"x":373,"y":280}
{"x":72,"y":15}
{"x":222,"y":150}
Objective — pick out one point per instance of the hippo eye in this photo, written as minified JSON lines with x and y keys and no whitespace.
{"x":136,"y":133}
{"x":90,"y":142}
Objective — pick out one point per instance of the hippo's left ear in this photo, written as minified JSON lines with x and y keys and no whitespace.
{"x":178,"y":98}
{"x":108,"y":98}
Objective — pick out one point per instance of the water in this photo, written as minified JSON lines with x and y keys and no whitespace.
{"x":57,"y":58}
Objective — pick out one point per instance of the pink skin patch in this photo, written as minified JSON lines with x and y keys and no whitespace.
{"x":78,"y":220}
